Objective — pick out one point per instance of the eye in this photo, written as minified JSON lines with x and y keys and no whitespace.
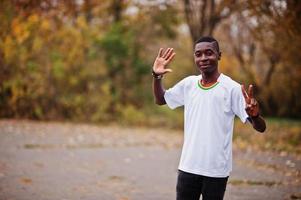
{"x":197,"y":54}
{"x":209,"y":53}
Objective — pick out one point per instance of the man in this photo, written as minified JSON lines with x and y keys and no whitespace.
{"x":211,"y":100}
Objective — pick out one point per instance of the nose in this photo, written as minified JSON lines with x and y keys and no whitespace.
{"x":203,"y":57}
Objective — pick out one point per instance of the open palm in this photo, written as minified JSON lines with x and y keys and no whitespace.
{"x":162,"y":60}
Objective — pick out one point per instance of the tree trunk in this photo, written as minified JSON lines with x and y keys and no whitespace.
{"x":202,"y":17}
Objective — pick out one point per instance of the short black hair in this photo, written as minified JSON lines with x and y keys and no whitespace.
{"x":207,"y":39}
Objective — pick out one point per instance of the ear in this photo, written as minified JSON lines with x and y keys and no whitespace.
{"x":219,"y":55}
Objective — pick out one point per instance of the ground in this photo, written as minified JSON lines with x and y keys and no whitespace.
{"x":67,"y":161}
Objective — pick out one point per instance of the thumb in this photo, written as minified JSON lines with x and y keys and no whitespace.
{"x":167,"y":70}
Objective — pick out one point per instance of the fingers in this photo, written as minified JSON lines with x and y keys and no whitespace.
{"x":252,"y":109}
{"x":249,"y":110}
{"x":160,"y":52}
{"x":163,"y":59}
{"x":171,"y":57}
{"x":168,"y":53}
{"x":250,"y":91}
{"x":252,"y":102}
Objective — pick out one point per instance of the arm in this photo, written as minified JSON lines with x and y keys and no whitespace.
{"x":252,"y":109}
{"x":159,"y":69}
{"x":158,"y":91}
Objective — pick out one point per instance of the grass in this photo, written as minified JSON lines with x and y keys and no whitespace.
{"x":281,"y":135}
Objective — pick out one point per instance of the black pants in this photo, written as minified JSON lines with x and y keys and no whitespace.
{"x":192,"y":186}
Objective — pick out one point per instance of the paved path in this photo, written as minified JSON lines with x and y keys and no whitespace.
{"x":58,"y":161}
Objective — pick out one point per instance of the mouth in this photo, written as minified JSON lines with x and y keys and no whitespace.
{"x":204,"y":66}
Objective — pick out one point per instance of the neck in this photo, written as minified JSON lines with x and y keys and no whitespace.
{"x":210,"y":77}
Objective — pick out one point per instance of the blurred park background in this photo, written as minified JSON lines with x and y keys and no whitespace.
{"x":77,"y":116}
{"x":90,"y":61}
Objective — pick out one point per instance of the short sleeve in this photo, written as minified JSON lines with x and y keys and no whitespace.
{"x":174,"y":96}
{"x":238,"y":104}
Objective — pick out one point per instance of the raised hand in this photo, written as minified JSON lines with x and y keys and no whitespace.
{"x":162,"y":60}
{"x":252,"y":107}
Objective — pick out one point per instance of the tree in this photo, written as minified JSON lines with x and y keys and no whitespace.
{"x":202,"y":17}
{"x":264,"y":38}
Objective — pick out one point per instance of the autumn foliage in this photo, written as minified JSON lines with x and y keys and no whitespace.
{"x":90,"y":60}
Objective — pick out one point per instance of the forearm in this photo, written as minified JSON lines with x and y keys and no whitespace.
{"x":158,"y":91}
{"x":258,"y":123}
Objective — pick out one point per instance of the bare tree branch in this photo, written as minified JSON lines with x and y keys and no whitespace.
{"x":203,"y":16}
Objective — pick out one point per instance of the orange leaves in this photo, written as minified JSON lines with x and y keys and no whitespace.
{"x":8,"y":48}
{"x":22,"y":28}
{"x":19,"y":31}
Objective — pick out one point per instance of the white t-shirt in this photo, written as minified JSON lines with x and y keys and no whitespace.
{"x":208,"y":123}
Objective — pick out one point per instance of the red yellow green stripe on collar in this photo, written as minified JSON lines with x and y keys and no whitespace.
{"x":207,"y":88}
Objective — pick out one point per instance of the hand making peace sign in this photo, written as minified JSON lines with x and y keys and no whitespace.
{"x":162,"y":60}
{"x":252,"y":107}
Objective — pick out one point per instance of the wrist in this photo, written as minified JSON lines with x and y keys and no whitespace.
{"x":157,"y":76}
